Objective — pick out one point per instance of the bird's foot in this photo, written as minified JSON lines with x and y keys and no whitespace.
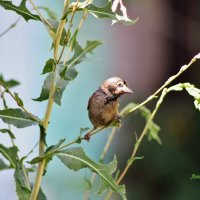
{"x":87,"y":137}
{"x":118,"y":121}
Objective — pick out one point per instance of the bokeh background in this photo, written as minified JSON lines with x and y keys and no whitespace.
{"x":146,"y":54}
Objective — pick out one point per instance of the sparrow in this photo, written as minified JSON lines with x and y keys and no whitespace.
{"x":103,"y":104}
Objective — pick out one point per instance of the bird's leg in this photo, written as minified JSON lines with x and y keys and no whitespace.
{"x":88,"y":135}
{"x":117,"y":121}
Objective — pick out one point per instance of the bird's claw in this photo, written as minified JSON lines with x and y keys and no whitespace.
{"x":87,"y":137}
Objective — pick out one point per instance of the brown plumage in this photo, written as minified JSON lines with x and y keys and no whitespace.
{"x":103,"y":104}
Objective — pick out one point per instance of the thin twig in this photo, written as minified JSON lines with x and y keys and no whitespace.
{"x":103,"y":154}
{"x":138,"y":142}
{"x":10,"y":27}
{"x":40,"y":15}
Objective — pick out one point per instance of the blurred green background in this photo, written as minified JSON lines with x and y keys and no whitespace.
{"x":146,"y":54}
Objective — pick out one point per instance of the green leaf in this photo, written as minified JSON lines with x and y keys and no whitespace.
{"x":3,"y":165}
{"x":192,"y":91}
{"x":20,"y":10}
{"x":49,"y":12}
{"x":22,"y":191}
{"x":10,"y":154}
{"x":80,"y":54}
{"x":153,"y":128}
{"x":52,"y":31}
{"x":195,"y":93}
{"x":41,"y":195}
{"x":8,"y":131}
{"x":16,"y":117}
{"x":69,"y":72}
{"x":104,"y":12}
{"x":10,"y":83}
{"x":49,"y":66}
{"x":53,"y":147}
{"x":153,"y":132}
{"x":19,"y":101}
{"x":66,"y":73}
{"x":76,"y":159}
{"x":60,"y":87}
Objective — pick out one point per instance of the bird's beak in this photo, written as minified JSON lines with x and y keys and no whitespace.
{"x":127,"y":90}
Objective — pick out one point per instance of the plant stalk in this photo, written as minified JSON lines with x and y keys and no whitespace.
{"x":41,"y":165}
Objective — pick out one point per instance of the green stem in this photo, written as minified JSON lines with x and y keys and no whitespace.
{"x":164,"y":92}
{"x":172,"y":78}
{"x":41,"y":165}
{"x":103,"y":154}
{"x":138,"y":142}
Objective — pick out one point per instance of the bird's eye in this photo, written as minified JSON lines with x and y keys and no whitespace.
{"x":120,"y":84}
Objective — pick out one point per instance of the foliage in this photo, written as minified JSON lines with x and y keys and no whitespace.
{"x":59,"y":73}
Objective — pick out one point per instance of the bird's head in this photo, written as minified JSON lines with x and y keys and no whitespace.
{"x":115,"y":86}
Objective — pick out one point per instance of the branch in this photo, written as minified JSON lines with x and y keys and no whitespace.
{"x":41,"y":165}
{"x":164,"y":92}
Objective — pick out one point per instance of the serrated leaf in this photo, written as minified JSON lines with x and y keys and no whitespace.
{"x":8,"y":131}
{"x":20,"y":10}
{"x":127,"y":109}
{"x":18,"y":99}
{"x":69,"y":74}
{"x":60,"y":87}
{"x":52,"y":31}
{"x":55,"y":146}
{"x":104,"y":12}
{"x":153,"y":132}
{"x":153,"y":129}
{"x":37,"y":159}
{"x":10,"y":154}
{"x":22,"y":191}
{"x":76,"y":159}
{"x":16,"y":117}
{"x":79,"y":55}
{"x":3,"y":165}
{"x":10,"y":83}
{"x":49,"y":66}
{"x":191,"y":89}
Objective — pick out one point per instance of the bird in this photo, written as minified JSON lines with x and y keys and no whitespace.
{"x":103,"y":104}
